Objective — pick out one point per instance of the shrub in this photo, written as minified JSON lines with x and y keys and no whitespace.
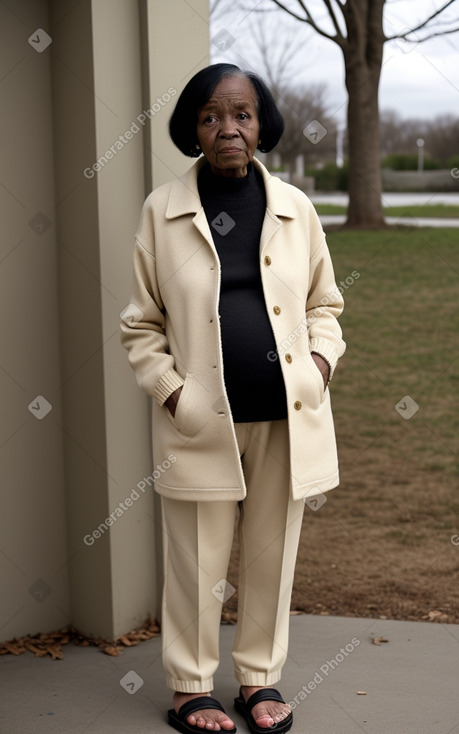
{"x":408,"y":162}
{"x":330,"y":177}
{"x":453,"y":162}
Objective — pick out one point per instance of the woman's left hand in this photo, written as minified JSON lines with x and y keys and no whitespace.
{"x":172,"y":400}
{"x":323,"y":367}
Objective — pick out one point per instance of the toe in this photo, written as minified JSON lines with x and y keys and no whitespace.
{"x":265,"y":721}
{"x":267,"y":715}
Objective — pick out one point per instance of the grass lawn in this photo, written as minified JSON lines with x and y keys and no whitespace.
{"x":381,"y":544}
{"x":441,"y":211}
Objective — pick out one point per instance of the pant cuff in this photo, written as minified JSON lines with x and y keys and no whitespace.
{"x":190,"y":686}
{"x":257,"y":679}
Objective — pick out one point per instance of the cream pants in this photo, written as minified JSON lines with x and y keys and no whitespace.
{"x":198,"y":538}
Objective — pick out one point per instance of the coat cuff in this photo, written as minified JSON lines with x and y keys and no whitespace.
{"x":166,"y":385}
{"x":326,"y":350}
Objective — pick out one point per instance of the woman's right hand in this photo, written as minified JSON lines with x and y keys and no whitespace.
{"x":172,"y":400}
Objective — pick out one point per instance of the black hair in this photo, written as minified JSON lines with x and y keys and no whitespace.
{"x":183,"y":122}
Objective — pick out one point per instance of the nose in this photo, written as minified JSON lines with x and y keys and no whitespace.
{"x":228,"y":128}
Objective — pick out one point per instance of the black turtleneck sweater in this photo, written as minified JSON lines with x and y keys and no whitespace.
{"x":235,"y":209}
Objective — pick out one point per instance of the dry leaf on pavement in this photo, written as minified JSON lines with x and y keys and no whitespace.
{"x":51,"y":643}
{"x":379,"y":640}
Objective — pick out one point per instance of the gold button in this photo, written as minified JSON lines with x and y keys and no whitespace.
{"x":267,"y":260}
{"x":297,"y":405}
{"x":288,"y":358}
{"x":276,"y":310}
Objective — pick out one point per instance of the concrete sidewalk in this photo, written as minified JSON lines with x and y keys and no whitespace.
{"x":411,"y":683}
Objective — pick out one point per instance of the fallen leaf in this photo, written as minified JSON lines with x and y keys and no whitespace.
{"x":379,"y":640}
{"x":437,"y":616}
{"x":56,"y":652}
{"x":36,"y":650}
{"x":50,"y":643}
{"x":14,"y":647}
{"x":113,"y":650}
{"x":126,"y":640}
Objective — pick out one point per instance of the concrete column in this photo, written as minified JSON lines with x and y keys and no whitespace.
{"x":100,"y":187}
{"x":115,"y":90}
{"x":178,"y":47}
{"x":175,"y":43}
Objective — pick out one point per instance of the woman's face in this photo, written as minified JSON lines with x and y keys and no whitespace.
{"x":228,"y":129}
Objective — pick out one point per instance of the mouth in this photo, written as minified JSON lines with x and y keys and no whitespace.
{"x":230,"y":151}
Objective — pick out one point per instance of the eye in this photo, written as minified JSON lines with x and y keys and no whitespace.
{"x":209,"y":119}
{"x":243,"y":116}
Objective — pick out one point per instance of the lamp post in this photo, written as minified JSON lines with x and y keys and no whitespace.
{"x":339,"y":147}
{"x":420,"y":144}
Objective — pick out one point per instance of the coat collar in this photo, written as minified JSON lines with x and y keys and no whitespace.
{"x":184,"y":194}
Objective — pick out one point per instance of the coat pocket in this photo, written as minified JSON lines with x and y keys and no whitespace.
{"x":191,"y":413}
{"x":316,"y":373}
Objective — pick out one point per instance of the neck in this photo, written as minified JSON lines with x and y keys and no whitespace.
{"x":229,"y":172}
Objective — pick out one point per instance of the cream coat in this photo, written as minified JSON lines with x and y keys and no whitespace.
{"x":172,"y":332}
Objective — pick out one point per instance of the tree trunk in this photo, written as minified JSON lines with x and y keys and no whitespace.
{"x":363,"y":59}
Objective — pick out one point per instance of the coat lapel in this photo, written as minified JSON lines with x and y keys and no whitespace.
{"x":184,"y":199}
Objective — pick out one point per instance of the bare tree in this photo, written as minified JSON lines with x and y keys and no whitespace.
{"x":356,"y":26}
{"x":266,"y":49}
{"x":442,"y":138}
{"x":440,"y":135}
{"x":300,"y":106}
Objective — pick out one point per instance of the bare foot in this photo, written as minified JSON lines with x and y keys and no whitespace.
{"x":209,"y":719}
{"x":266,"y":713}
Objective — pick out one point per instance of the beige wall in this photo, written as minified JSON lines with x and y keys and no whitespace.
{"x":33,"y":552}
{"x":176,"y":54}
{"x":65,"y":278}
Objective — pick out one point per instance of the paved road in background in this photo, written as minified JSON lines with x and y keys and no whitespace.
{"x":394,"y":199}
{"x":330,"y":219}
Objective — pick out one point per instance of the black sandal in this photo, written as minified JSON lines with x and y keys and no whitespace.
{"x":245,"y":709}
{"x":179,"y":720}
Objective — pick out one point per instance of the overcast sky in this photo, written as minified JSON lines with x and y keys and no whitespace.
{"x":418,"y":79}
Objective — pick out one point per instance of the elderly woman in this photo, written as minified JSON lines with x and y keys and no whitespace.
{"x":232,"y":329}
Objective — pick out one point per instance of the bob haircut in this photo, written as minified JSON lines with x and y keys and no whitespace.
{"x":183,"y":122}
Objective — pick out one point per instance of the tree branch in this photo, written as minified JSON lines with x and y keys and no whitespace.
{"x":287,"y":10}
{"x":426,"y":38}
{"x":308,"y":19}
{"x":339,"y":35}
{"x":423,"y":24}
